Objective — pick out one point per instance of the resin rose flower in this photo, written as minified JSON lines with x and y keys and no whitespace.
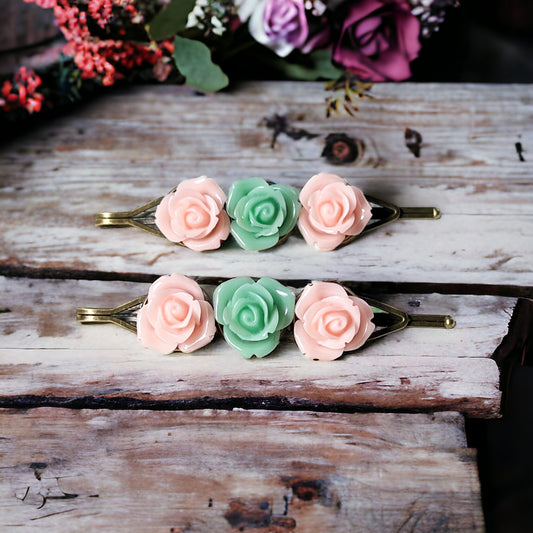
{"x":330,"y":321}
{"x":253,"y":313}
{"x":278,"y":24}
{"x":331,"y":210}
{"x":194,"y":215}
{"x":261,"y":213}
{"x":175,"y":316}
{"x":378,"y":40}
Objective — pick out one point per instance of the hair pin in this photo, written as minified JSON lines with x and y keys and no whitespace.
{"x":326,"y":318}
{"x":328,"y":211}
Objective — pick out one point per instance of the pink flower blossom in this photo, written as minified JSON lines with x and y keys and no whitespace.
{"x":194,"y":215}
{"x":330,"y":321}
{"x":378,"y":40}
{"x":176,"y":316}
{"x":331,"y":210}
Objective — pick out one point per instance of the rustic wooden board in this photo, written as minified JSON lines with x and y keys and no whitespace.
{"x":268,"y":470}
{"x":87,"y":470}
{"x":135,"y":145}
{"x":45,"y":352}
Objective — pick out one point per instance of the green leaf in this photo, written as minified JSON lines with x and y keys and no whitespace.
{"x":317,"y":65}
{"x":193,"y":59}
{"x":171,"y":19}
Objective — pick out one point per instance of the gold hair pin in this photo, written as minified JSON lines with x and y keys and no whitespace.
{"x":327,"y":318}
{"x":328,"y":211}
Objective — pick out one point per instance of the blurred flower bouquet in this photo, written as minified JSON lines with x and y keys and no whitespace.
{"x":205,"y":43}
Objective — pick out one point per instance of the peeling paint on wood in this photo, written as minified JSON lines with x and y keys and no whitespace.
{"x":263,"y":471}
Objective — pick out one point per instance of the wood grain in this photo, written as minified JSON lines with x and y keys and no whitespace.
{"x":136,"y":145}
{"x":46,"y":353}
{"x":232,"y":471}
{"x":220,"y":470}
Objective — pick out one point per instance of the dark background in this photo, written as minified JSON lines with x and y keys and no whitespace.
{"x":483,"y":41}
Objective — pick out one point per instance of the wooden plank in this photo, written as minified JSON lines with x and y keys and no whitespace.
{"x":65,"y":470}
{"x":45,"y":352}
{"x":136,"y":145}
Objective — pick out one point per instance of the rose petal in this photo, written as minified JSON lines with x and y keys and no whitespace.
{"x":318,"y":319}
{"x":239,"y":189}
{"x":251,"y":241}
{"x":332,"y":208}
{"x":204,"y":186}
{"x":324,"y":242}
{"x":195,"y":216}
{"x":147,"y":336}
{"x":317,"y":182}
{"x":310,"y":348}
{"x":364,"y":210}
{"x":317,"y":291}
{"x":361,"y":11}
{"x":387,"y":56}
{"x":392,"y":66}
{"x":214,"y":239}
{"x":251,"y":313}
{"x":283,"y":298}
{"x":279,"y":24}
{"x":224,"y":293}
{"x":408,"y":39}
{"x":249,"y":348}
{"x":366,"y":327}
{"x":203,"y":333}
{"x":175,"y":329}
{"x":173,"y":282}
{"x":163,"y":219}
{"x":262,"y":211}
{"x":290,"y":195}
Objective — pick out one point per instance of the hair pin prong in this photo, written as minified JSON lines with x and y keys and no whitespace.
{"x":386,"y":213}
{"x":141,"y":217}
{"x":123,"y":315}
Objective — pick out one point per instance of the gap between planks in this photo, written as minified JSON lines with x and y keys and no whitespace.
{"x":370,"y":287}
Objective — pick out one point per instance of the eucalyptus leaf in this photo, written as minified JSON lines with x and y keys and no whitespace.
{"x":193,"y":59}
{"x":171,"y":19}
{"x":317,"y":65}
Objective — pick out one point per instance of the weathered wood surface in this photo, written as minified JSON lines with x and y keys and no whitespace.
{"x":220,"y":470}
{"x":130,"y":147}
{"x":46,"y":353}
{"x":233,"y":471}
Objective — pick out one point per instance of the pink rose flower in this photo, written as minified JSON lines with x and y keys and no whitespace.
{"x":330,"y":321}
{"x":176,"y":316}
{"x":378,"y":40}
{"x":331,"y":210}
{"x":279,"y":24}
{"x":194,"y":215}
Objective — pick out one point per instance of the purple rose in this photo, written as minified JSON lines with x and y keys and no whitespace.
{"x":279,"y":24}
{"x":378,"y":40}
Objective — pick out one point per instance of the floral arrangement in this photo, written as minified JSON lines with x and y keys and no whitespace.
{"x":328,"y":211}
{"x":203,"y":43}
{"x":252,"y":315}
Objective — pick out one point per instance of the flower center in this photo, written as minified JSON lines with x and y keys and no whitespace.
{"x":281,"y":18}
{"x":336,"y":322}
{"x":250,"y":317}
{"x":265,"y":212}
{"x":196,"y":217}
{"x":177,"y":310}
{"x":330,"y":212}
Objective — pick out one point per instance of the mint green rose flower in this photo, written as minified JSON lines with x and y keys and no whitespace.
{"x":253,"y":313}
{"x":261,"y":213}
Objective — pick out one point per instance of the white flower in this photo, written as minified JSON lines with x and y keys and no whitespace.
{"x":278,"y":24}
